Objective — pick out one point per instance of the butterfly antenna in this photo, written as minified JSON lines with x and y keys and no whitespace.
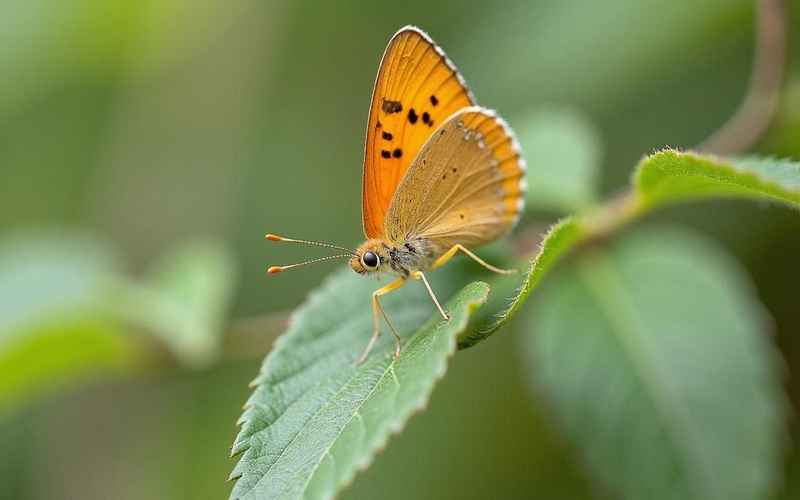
{"x":278,"y":269}
{"x":275,"y":237}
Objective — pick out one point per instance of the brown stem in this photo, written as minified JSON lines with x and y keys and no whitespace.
{"x":755,"y":112}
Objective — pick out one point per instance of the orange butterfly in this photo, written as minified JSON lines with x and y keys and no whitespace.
{"x":441,"y":175}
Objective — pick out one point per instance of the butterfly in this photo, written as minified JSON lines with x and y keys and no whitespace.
{"x":442,"y":175}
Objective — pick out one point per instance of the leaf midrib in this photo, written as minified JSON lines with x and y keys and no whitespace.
{"x":301,"y":371}
{"x":603,"y":282}
{"x":389,"y":368}
{"x":294,"y":438}
{"x":431,"y":327}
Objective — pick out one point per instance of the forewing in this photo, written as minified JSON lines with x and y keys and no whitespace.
{"x":417,"y":89}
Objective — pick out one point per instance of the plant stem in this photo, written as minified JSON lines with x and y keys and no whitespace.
{"x":756,"y":110}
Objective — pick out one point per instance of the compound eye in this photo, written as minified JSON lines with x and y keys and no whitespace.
{"x":370,"y":260}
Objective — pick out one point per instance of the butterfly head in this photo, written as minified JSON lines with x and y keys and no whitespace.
{"x":372,"y":256}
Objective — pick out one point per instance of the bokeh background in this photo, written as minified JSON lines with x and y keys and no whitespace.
{"x":147,"y":146}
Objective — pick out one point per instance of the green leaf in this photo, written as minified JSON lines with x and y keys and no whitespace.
{"x":664,"y":178}
{"x":286,"y":442}
{"x":563,"y":152}
{"x":62,"y":354}
{"x":45,"y":274}
{"x":656,"y":358}
{"x":184,"y":300}
{"x":315,"y":417}
{"x":55,"y":329}
{"x":66,"y":310}
{"x":557,"y":243}
{"x":671,"y":176}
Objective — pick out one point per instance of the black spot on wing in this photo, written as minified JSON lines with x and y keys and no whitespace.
{"x":391,"y":106}
{"x":412,"y":116}
{"x":387,"y":135}
{"x":397,"y":153}
{"x":426,"y":118}
{"x":434,"y":100}
{"x":385,"y":154}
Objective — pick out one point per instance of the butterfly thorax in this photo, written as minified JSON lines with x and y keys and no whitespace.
{"x":399,"y":258}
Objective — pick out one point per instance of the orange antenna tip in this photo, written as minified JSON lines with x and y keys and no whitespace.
{"x":275,"y":237}
{"x":274,"y":269}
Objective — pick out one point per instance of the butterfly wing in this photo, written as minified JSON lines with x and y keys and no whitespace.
{"x":417,"y":89}
{"x":466,"y":185}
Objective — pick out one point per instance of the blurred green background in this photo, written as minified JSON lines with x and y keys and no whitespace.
{"x":146,"y":147}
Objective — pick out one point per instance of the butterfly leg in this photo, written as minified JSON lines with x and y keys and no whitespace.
{"x":417,"y":275}
{"x":378,"y":311}
{"x":455,"y":248}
